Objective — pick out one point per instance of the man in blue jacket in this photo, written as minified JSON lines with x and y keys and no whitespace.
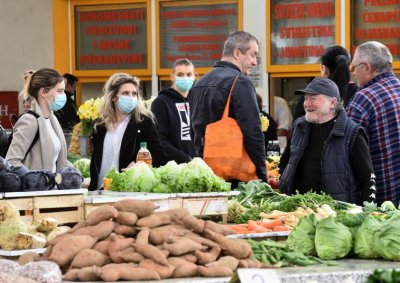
{"x":209,"y":95}
{"x":171,"y":109}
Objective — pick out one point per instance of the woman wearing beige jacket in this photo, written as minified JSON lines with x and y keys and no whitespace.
{"x":48,"y":150}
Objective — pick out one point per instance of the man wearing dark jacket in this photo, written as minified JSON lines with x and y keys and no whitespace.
{"x":327,"y":151}
{"x":209,"y":95}
{"x":171,"y":109}
{"x":67,"y":116}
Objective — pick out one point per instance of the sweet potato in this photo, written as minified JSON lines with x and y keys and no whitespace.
{"x":218,"y":228}
{"x":129,"y":255}
{"x":28,"y":257}
{"x":141,"y":208}
{"x":237,"y":248}
{"x":209,"y":256}
{"x":104,"y":212}
{"x":177,"y":214}
{"x":71,"y":275}
{"x":78,"y":225}
{"x":116,"y":245}
{"x":66,"y":249}
{"x":126,"y":218}
{"x":249,"y":263}
{"x":182,"y":245}
{"x":165,"y":271}
{"x":159,"y":235}
{"x":151,"y":252}
{"x":227,"y":261}
{"x":125,"y":230}
{"x":194,"y":224}
{"x":176,"y":261}
{"x":101,"y":230}
{"x":89,"y":257}
{"x":125,"y":271}
{"x":189,"y":257}
{"x":102,"y":246}
{"x":201,"y":240}
{"x":143,"y":236}
{"x":214,"y":271}
{"x":154,"y":220}
{"x":185,"y":271}
{"x":88,"y":273}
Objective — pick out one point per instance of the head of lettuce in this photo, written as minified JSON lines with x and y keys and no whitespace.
{"x":332,"y":240}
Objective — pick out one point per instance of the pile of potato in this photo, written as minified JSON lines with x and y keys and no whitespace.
{"x":130,"y":241}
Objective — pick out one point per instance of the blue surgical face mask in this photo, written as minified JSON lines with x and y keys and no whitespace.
{"x":126,"y":104}
{"x":58,"y":103}
{"x":184,"y":83}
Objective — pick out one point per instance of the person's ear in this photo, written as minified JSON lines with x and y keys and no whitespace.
{"x":42,"y":92}
{"x":236,"y":53}
{"x":172,"y":78}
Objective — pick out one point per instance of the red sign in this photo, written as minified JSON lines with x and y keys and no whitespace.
{"x":196,"y":32}
{"x":301,"y":30}
{"x":377,"y":21}
{"x":111,"y":37}
{"x":8,"y":106}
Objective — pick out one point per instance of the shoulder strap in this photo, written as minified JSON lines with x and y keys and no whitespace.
{"x":228,"y":102}
{"x":35,"y":139}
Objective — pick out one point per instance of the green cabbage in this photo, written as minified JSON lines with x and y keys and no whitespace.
{"x":387,"y":206}
{"x":386,"y":240}
{"x":332,"y":240}
{"x":138,"y":178}
{"x":83,"y":165}
{"x":302,"y":237}
{"x":363,"y":240}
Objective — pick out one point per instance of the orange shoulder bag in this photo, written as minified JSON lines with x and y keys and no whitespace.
{"x":224,"y":150}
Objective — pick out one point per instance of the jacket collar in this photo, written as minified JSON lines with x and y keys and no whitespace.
{"x":338,"y":128}
{"x":226,"y":64}
{"x":377,"y":78}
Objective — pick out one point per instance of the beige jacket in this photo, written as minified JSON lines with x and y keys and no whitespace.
{"x":42,"y":153}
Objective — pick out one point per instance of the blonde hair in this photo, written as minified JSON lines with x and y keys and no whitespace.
{"x":110,"y":90}
{"x":35,"y":80}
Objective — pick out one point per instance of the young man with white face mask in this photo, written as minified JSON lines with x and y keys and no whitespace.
{"x":171,"y":110}
{"x":327,"y":151}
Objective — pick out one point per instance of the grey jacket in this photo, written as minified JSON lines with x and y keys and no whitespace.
{"x":42,"y":153}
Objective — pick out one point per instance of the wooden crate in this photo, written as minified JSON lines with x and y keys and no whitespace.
{"x":207,"y":206}
{"x":67,"y":209}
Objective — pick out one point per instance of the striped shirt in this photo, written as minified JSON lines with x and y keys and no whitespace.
{"x":376,"y":107}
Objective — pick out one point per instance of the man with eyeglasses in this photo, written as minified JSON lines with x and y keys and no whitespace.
{"x":376,"y":107}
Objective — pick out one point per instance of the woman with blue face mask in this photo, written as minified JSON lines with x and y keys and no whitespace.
{"x":38,"y":140}
{"x":171,"y":109}
{"x":125,"y":122}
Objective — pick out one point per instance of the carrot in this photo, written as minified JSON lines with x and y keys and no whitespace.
{"x":239,"y":229}
{"x":261,"y":229}
{"x":252,"y":225}
{"x":271,"y":224}
{"x":280,"y":228}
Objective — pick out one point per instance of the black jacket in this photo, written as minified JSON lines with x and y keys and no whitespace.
{"x":135,"y":133}
{"x":67,"y":116}
{"x":207,"y":100}
{"x":171,"y":110}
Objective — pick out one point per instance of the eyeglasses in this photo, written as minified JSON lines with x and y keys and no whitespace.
{"x":352,"y":67}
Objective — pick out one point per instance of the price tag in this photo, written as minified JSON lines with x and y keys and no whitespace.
{"x":258,"y":275}
{"x":217,"y":206}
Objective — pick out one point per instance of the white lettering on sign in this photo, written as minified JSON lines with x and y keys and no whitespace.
{"x":3,"y":110}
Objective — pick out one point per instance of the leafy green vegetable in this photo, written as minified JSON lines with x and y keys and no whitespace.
{"x":194,"y":176}
{"x":332,"y":240}
{"x":253,"y":211}
{"x":350,"y":219}
{"x":387,"y":206}
{"x":386,"y":241}
{"x":363,"y":240}
{"x":310,"y":199}
{"x":302,"y":237}
{"x":384,"y":276}
{"x":253,"y":192}
{"x":83,"y":165}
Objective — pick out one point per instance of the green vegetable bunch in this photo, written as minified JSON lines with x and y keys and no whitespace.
{"x":83,"y":165}
{"x":384,"y":276}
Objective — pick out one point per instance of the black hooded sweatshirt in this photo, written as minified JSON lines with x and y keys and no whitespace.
{"x":171,"y":110}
